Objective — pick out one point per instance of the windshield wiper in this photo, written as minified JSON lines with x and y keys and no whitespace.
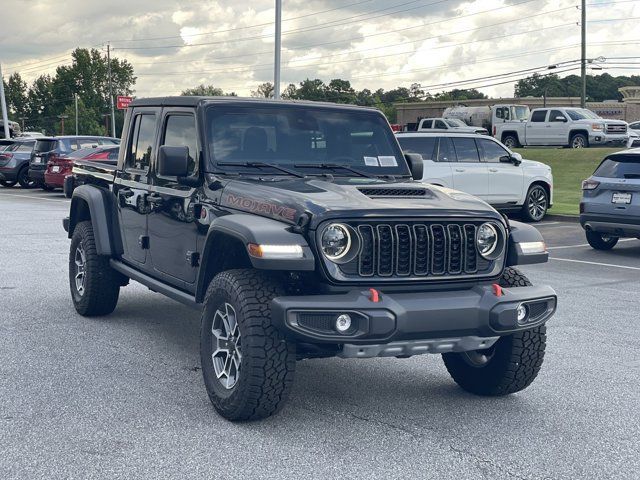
{"x":261,"y":165}
{"x":333,"y":166}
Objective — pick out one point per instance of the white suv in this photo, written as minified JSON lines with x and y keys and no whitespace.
{"x":484,"y":167}
{"x":449,"y":125}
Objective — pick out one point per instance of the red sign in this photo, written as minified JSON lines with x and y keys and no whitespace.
{"x":123,"y":102}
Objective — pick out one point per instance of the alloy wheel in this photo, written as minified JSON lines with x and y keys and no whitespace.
{"x":81,"y":265}
{"x":227,"y":353}
{"x":537,"y":203}
{"x":577,"y":142}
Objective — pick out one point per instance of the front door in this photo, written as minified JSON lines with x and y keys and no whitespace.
{"x":505,"y":179}
{"x":173,"y":227}
{"x":131,"y":185}
{"x":558,"y":127}
{"x":469,"y":174}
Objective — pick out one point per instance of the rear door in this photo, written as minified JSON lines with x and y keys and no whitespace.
{"x":536,"y":129}
{"x":506,"y":180}
{"x":619,"y":189}
{"x":469,"y":174}
{"x":131,"y":185}
{"x":436,"y":172}
{"x":173,"y":230}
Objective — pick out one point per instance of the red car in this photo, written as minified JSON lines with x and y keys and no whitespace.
{"x":60,"y":167}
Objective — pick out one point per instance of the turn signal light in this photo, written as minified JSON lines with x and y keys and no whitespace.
{"x":590,"y":184}
{"x":275,"y":251}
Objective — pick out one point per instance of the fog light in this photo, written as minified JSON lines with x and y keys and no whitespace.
{"x":343,"y":323}
{"x":522,"y":313}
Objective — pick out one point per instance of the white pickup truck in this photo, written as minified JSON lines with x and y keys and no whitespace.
{"x":570,"y":127}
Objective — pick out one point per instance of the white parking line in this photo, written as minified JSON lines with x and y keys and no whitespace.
{"x":35,"y":198}
{"x":587,"y":245}
{"x":540,"y":224}
{"x":595,"y":263}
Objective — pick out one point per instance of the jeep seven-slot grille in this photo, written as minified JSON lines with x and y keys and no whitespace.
{"x":416,"y":250}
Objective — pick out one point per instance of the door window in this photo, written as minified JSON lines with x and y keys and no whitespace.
{"x":445,"y":151}
{"x":440,"y":124}
{"x":466,"y":149}
{"x":88,"y":142}
{"x":180,"y":131}
{"x":538,"y":116}
{"x":502,"y":112}
{"x":142,"y":141}
{"x":424,"y":146}
{"x":556,"y":114}
{"x":492,"y":151}
{"x":427,"y":123}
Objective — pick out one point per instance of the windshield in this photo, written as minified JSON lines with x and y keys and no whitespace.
{"x":294,"y":135}
{"x":521,"y":112}
{"x":454,"y":122}
{"x":581,"y":114}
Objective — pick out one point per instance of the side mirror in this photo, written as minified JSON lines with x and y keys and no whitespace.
{"x":173,"y":161}
{"x":416,"y":165}
{"x":514,"y":158}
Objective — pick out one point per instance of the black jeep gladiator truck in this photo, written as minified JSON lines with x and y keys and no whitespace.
{"x":298,"y":231}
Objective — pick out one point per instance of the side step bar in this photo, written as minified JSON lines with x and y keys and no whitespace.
{"x":156,"y":285}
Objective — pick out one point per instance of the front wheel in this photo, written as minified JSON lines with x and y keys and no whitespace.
{"x":601,"y":241}
{"x":509,"y":365}
{"x":536,"y":204}
{"x":247,"y":364}
{"x":579,"y":141}
{"x":95,"y":286}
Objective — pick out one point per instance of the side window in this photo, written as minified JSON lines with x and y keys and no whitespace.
{"x":492,"y":151}
{"x":466,"y":150}
{"x":427,"y":123}
{"x":502,"y":112}
{"x":440,"y":124}
{"x":445,"y":151}
{"x":425,"y":146}
{"x":25,"y":147}
{"x":538,"y":116}
{"x":180,"y":131}
{"x":556,"y":114}
{"x":141,"y":146}
{"x":88,"y":142}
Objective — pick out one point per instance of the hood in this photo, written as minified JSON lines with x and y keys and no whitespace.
{"x":601,"y":120}
{"x":533,"y":163}
{"x":468,"y":129}
{"x":319,"y":199}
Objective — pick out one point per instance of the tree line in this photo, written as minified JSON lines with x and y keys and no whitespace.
{"x":599,"y":87}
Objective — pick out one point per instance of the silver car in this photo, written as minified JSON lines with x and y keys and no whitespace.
{"x":610,"y":206}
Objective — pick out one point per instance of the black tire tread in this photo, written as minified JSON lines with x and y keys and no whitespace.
{"x":102,"y":287}
{"x":595,"y":240}
{"x":520,"y":356}
{"x":268,"y":359}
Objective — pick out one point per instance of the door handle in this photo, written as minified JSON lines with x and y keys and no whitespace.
{"x":493,"y":169}
{"x":460,"y":170}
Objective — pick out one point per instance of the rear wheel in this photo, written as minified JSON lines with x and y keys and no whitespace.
{"x":579,"y":140}
{"x":7,"y":184}
{"x":510,"y":365}
{"x":536,"y":203}
{"x":601,"y":241}
{"x":23,"y":178}
{"x":247,"y":364}
{"x":95,"y":286}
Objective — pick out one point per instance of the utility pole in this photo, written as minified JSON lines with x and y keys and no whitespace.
{"x":62,"y":117}
{"x":113,"y":116}
{"x":76,"y":99}
{"x":22,"y":119}
{"x":276,"y":63}
{"x":106,"y":123}
{"x":5,"y":118}
{"x":583,"y":58}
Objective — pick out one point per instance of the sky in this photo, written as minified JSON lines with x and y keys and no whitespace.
{"x":174,"y":45}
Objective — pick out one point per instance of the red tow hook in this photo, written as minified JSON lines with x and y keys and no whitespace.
{"x":497,"y":290}
{"x":375,"y":296}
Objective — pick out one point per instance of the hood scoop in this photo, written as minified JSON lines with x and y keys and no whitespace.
{"x":404,"y":192}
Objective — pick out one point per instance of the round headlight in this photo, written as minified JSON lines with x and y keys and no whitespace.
{"x":487,"y":239}
{"x":335,"y":241}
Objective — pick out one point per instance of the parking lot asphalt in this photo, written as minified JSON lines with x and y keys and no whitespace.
{"x":122,"y":396}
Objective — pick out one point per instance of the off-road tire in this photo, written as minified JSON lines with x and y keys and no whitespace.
{"x":597,"y":241}
{"x":23,"y":178}
{"x":268,"y":360}
{"x":7,"y":183}
{"x":579,"y":140}
{"x":101,"y":283}
{"x":514,"y":360}
{"x":511,"y":141}
{"x":537,"y":199}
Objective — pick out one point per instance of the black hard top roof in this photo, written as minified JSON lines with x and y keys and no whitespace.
{"x":194,"y":101}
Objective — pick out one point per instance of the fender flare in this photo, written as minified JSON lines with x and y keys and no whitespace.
{"x":261,"y":231}
{"x":103,"y":219}
{"x":522,"y":233}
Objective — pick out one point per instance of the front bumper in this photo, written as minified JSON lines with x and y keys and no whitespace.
{"x":616,"y":225}
{"x":417,"y":322}
{"x":601,"y":138}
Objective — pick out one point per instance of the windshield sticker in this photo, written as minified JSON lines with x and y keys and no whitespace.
{"x":387,"y":161}
{"x":371,"y":161}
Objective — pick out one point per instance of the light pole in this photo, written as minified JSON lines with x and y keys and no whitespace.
{"x":113,"y":115}
{"x":76,"y":99}
{"x":276,"y":63}
{"x":5,"y":118}
{"x":583,"y":58}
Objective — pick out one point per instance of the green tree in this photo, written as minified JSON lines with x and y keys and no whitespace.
{"x":264,"y":90}
{"x":88,"y":123}
{"x":311,"y":90}
{"x":460,"y":94}
{"x":340,"y":91}
{"x":16,"y":92}
{"x":206,"y":91}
